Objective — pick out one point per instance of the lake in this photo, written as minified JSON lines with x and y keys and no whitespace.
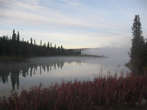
{"x":15,"y":76}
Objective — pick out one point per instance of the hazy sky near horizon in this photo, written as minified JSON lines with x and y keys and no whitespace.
{"x":74,"y":23}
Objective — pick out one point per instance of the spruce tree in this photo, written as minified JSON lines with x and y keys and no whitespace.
{"x":48,"y":45}
{"x":18,"y":37}
{"x":14,"y":35}
{"x":138,"y":45}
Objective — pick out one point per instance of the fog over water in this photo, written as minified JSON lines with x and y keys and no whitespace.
{"x":15,"y":76}
{"x":115,"y":56}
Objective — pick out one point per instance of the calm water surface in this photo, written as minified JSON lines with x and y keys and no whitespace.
{"x":15,"y":76}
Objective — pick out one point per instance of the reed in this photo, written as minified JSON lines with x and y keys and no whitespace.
{"x":111,"y":92}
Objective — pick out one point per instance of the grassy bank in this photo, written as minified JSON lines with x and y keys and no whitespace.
{"x":100,"y":94}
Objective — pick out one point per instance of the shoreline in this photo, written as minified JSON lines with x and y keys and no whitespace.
{"x":100,"y":93}
{"x":20,"y":58}
{"x":12,"y":58}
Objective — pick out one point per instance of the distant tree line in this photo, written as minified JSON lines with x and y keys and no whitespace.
{"x":13,"y":46}
{"x":138,"y":55}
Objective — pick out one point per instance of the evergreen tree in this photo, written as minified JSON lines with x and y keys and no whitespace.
{"x":48,"y":45}
{"x":138,"y":45}
{"x":18,"y":37}
{"x":31,"y":41}
{"x":14,"y":35}
{"x":61,"y":47}
{"x":16,"y":47}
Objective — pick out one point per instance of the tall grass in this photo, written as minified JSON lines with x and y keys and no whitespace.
{"x":86,"y":95}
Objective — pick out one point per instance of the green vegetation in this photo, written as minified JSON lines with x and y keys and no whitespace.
{"x":13,"y":47}
{"x":139,"y":48}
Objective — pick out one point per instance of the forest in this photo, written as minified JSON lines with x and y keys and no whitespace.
{"x":14,"y":47}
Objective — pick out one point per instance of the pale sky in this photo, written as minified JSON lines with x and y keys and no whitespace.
{"x":74,"y":23}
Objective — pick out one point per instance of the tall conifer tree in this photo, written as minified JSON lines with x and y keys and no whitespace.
{"x":138,"y":45}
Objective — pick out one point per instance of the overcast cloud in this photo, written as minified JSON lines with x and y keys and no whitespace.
{"x":73,"y":23}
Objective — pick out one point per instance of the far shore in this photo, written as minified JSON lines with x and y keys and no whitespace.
{"x":12,"y":58}
{"x":20,"y":58}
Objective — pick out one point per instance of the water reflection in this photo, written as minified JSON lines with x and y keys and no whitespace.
{"x":13,"y":70}
{"x":15,"y":76}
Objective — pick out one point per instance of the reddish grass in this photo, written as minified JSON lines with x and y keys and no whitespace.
{"x":87,"y":95}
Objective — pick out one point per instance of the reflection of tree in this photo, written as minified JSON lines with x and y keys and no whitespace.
{"x":14,"y":70}
{"x":15,"y":80}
